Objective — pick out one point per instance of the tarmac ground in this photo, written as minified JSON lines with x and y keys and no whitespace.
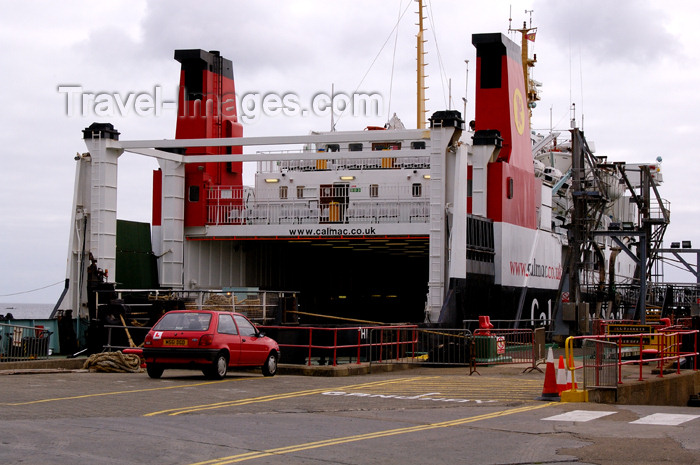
{"x":63,"y":414}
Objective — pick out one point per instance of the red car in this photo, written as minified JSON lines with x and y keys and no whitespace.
{"x":207,"y":340}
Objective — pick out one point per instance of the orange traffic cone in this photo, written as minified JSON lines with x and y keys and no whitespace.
{"x":569,"y":386}
{"x":549,"y":390}
{"x":561,"y":376}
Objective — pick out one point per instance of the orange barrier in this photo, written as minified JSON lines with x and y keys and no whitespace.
{"x":661,"y":347}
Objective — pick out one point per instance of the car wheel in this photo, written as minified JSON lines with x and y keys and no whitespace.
{"x":270,"y":367}
{"x":154,"y":371}
{"x":219,"y":367}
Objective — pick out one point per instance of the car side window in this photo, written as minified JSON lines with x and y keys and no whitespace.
{"x":226,"y":325}
{"x":245,"y":327}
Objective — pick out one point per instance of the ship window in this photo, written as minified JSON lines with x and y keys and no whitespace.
{"x":509,"y":188}
{"x":386,"y":146}
{"x":355,"y":147}
{"x":374,"y":190}
{"x":332,"y":148}
{"x":283,"y":192}
{"x":194,"y":194}
{"x":417,"y":189}
{"x":469,"y":188}
{"x":300,"y":192}
{"x":418,"y":145}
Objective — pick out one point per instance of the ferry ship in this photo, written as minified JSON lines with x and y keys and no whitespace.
{"x":433,"y":225}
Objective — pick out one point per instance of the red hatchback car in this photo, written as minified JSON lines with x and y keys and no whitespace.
{"x":207,"y":340}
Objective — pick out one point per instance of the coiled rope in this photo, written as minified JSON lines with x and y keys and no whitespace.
{"x":113,"y":362}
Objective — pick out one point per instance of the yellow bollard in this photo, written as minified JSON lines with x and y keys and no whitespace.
{"x":573,"y":394}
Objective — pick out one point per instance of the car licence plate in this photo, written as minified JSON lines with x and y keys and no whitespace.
{"x":175,"y":342}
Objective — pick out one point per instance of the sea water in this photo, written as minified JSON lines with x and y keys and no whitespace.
{"x":25,"y":311}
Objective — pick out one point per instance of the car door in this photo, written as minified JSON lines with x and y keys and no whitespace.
{"x":254,"y":349}
{"x":229,"y":333}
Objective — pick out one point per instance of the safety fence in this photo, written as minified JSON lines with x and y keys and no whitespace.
{"x":408,"y":344}
{"x":481,"y":347}
{"x":599,"y":364}
{"x":534,"y":323}
{"x":605,"y":356}
{"x":387,"y":344}
{"x":334,"y":345}
{"x":19,"y":342}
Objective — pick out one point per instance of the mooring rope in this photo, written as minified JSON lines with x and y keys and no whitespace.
{"x":113,"y":362}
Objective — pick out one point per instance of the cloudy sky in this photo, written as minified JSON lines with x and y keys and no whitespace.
{"x":631,"y":68}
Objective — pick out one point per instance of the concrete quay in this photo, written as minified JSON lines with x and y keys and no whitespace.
{"x":670,"y":389}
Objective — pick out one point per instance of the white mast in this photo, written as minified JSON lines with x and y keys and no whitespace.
{"x":420,"y":112}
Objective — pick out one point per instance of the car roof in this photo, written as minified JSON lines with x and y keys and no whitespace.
{"x":205,"y":311}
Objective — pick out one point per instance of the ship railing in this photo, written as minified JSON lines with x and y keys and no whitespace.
{"x":341,"y":164}
{"x":234,"y":195}
{"x":358,"y":191}
{"x":683,"y":294}
{"x":271,"y":211}
{"x":19,"y":342}
{"x":260,"y":306}
{"x":659,"y":353}
{"x":120,"y":337}
{"x":660,"y":211}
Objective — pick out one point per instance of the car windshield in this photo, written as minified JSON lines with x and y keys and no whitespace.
{"x":190,"y":321}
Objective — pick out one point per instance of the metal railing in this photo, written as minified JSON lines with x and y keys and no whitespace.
{"x":599,"y":364}
{"x":333,"y":345}
{"x":407,"y":344}
{"x":533,"y":324}
{"x":395,"y":204}
{"x":260,"y":306}
{"x":682,"y":294}
{"x":335,"y":164}
{"x":667,"y":348}
{"x":19,"y":343}
{"x":308,"y":345}
{"x":461,"y":347}
{"x":132,"y":337}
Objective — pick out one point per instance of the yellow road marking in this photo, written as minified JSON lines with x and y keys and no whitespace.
{"x":99,"y":394}
{"x":466,"y":387}
{"x":363,"y":437}
{"x":286,"y":395}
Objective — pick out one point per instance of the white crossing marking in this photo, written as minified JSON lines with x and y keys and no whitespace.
{"x":666,"y":419}
{"x":578,"y":415}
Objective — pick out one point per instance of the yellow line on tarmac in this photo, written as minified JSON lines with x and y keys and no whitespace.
{"x":286,"y":395}
{"x":100,"y":394}
{"x":363,"y":437}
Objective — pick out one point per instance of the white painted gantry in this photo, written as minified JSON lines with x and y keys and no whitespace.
{"x":95,"y":199}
